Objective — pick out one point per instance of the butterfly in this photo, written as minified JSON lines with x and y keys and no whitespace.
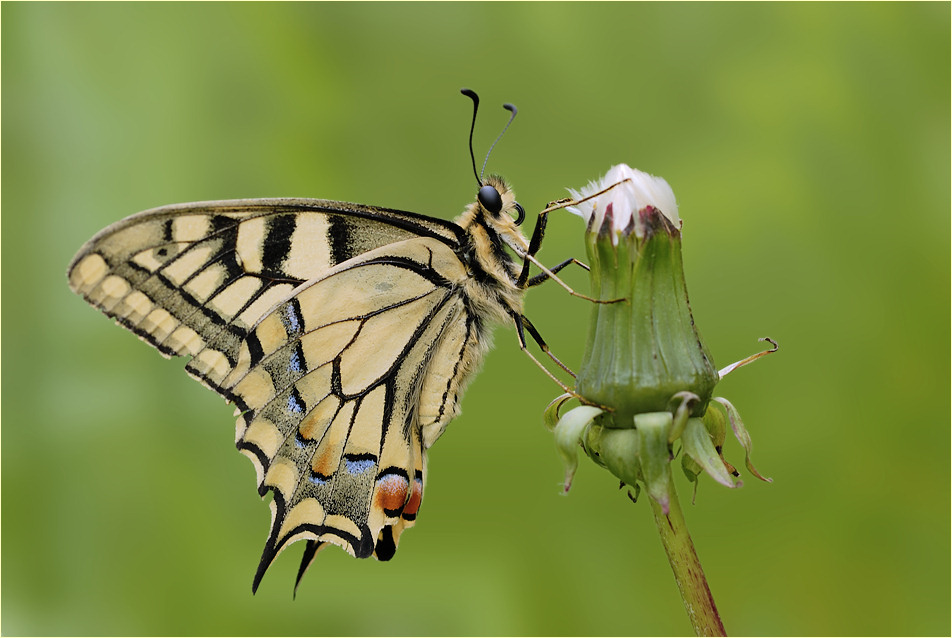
{"x":344,"y":334}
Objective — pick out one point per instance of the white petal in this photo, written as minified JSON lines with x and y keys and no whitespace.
{"x":632,"y":191}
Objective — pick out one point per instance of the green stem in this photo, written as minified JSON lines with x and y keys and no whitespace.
{"x":696,"y":595}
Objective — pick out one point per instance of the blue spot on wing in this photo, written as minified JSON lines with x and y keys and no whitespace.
{"x":358,"y":466}
{"x":317,"y":479}
{"x":292,"y":317}
{"x":295,"y":404}
{"x":294,"y":365}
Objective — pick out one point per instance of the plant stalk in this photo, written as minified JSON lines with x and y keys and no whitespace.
{"x":695,"y":593}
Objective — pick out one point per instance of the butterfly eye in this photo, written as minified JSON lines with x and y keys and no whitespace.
{"x":490,"y":199}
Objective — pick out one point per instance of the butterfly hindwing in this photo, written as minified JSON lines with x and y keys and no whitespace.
{"x":341,"y":386}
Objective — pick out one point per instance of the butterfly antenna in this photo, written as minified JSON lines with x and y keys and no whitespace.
{"x":511,"y":108}
{"x":475,"y":98}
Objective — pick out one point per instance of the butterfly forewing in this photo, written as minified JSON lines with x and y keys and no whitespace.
{"x":193,"y":278}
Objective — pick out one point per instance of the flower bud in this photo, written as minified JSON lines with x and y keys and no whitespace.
{"x":646,"y":379}
{"x":644,"y":348}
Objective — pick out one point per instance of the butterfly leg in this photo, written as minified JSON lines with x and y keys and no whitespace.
{"x":535,"y":243}
{"x":542,"y":277}
{"x":534,"y":333}
{"x":523,"y":324}
{"x":520,"y":333}
{"x":522,"y":321}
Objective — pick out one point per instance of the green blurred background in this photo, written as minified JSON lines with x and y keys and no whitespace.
{"x":808,"y":145}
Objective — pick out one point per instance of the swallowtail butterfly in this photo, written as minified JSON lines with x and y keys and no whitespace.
{"x":345,"y":335}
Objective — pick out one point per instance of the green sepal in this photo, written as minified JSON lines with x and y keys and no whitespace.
{"x":615,"y":449}
{"x":568,"y":434}
{"x":655,"y":454}
{"x":716,"y":424}
{"x":699,"y":448}
{"x":550,"y":417}
{"x":684,"y":401}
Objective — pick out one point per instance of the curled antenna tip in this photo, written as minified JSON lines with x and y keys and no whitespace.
{"x":510,"y":107}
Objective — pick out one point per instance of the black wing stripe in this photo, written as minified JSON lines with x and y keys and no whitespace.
{"x":277,"y":242}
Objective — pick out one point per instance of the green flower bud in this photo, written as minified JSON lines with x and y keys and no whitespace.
{"x":644,"y":349}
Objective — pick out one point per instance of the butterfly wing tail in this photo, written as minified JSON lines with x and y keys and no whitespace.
{"x":310,"y":552}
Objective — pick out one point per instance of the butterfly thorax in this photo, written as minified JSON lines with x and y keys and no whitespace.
{"x":490,"y":240}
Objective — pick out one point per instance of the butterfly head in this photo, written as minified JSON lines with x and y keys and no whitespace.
{"x":497,"y":204}
{"x":497,"y":210}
